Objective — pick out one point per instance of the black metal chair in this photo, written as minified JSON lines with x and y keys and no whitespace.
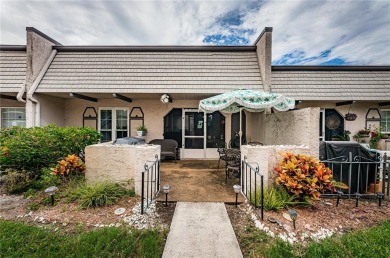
{"x":221,"y":151}
{"x":233,"y":164}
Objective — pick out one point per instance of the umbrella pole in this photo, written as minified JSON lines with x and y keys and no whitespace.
{"x":240,"y":132}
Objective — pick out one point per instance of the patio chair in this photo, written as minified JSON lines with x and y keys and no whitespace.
{"x":221,"y":151}
{"x":233,"y":164}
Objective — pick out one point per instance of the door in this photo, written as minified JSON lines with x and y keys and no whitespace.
{"x":193,"y":134}
{"x":113,"y":123}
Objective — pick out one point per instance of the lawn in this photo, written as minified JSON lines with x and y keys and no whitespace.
{"x":21,"y":240}
{"x":372,"y":242}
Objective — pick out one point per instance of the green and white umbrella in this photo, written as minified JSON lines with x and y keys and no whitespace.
{"x":251,"y":100}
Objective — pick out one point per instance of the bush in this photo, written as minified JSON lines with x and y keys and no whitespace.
{"x":101,"y":194}
{"x":275,"y":198}
{"x":304,"y":177}
{"x":71,"y":165}
{"x":32,"y":149}
{"x":13,"y":182}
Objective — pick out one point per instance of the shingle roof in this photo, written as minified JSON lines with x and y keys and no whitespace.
{"x":152,"y":72}
{"x":12,"y":70}
{"x":333,"y":85}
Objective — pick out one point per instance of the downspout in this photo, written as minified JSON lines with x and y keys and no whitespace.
{"x":19,"y":97}
{"x":34,"y":86}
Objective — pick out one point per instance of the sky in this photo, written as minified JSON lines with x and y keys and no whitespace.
{"x":305,"y":32}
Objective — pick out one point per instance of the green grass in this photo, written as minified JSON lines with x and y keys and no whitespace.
{"x":100,"y":194}
{"x":275,"y":198}
{"x":372,"y":242}
{"x":20,"y":240}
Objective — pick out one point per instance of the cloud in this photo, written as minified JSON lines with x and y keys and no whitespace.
{"x":305,"y":31}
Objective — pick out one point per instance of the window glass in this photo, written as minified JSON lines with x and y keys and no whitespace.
{"x":13,"y":117}
{"x":385,"y":120}
{"x":106,"y":125}
{"x":215,"y":130}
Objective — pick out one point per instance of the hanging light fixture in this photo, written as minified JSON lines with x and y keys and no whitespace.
{"x":165,"y":99}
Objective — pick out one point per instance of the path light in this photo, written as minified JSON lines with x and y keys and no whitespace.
{"x":293,"y":214}
{"x":51,"y":190}
{"x":237,"y":190}
{"x":339,"y":194}
{"x":166,"y":189}
{"x":357,"y":196}
{"x":379,"y":195}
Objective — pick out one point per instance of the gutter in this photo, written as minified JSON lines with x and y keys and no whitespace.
{"x":19,"y":97}
{"x":34,"y":86}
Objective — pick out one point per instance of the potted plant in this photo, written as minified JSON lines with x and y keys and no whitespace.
{"x":142,"y":130}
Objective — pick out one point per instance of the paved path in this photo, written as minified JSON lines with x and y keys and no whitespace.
{"x":201,"y":229}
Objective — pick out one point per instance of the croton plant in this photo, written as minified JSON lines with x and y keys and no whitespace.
{"x":72,"y":164}
{"x":305,"y":176}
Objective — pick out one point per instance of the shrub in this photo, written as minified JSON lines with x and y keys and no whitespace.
{"x":101,"y":194}
{"x":13,"y":182}
{"x":304,"y":177}
{"x":275,"y":198}
{"x":31,"y":149}
{"x":71,"y":165}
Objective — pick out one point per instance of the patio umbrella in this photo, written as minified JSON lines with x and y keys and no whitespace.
{"x":251,"y":100}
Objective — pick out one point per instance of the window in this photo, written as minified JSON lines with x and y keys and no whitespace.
{"x":113,"y":123}
{"x":385,"y":120}
{"x":13,"y":117}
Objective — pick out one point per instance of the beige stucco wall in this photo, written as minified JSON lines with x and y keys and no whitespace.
{"x":11,"y":103}
{"x":52,"y":111}
{"x":255,"y":126}
{"x":154,"y":112}
{"x":359,"y":108}
{"x":267,"y":158}
{"x":121,"y":164}
{"x":297,"y":127}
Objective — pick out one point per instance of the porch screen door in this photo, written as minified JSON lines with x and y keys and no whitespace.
{"x":194,"y":132}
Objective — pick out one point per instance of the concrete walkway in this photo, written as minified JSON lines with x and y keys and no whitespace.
{"x":201,"y":230}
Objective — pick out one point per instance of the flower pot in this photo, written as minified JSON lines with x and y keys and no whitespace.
{"x":141,"y":133}
{"x":374,"y":188}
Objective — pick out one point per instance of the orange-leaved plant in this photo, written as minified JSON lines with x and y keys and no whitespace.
{"x":304,"y":176}
{"x":71,"y":165}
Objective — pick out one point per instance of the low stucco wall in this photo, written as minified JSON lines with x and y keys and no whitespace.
{"x":120,"y":164}
{"x":297,"y":127}
{"x":268,"y":157}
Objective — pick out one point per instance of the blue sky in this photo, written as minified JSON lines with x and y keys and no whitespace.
{"x":305,"y":32}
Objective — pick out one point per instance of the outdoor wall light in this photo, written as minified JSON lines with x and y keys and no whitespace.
{"x":339,"y":194}
{"x":357,"y":196}
{"x":237,"y":190}
{"x":293,"y":214}
{"x":51,"y":190}
{"x":165,"y":99}
{"x":166,"y":189}
{"x":380,"y":197}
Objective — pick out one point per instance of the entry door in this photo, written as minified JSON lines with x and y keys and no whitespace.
{"x":194,"y":132}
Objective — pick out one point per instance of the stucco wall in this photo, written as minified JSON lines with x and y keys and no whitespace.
{"x":267,"y":157}
{"x":359,"y":108}
{"x":52,"y":111}
{"x":121,"y":164}
{"x":10,"y":103}
{"x":154,"y":112}
{"x":297,"y":127}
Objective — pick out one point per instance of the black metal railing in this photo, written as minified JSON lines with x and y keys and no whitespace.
{"x":151,"y":181}
{"x":362,"y":175}
{"x":250,"y":176}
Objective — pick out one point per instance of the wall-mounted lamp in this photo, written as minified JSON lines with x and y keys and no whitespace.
{"x":165,"y":99}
